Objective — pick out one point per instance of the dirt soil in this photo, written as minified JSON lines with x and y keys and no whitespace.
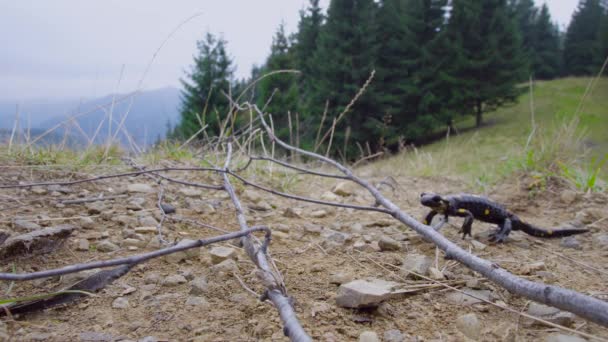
{"x":305,"y":248}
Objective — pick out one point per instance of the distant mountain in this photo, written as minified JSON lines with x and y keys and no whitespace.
{"x":147,"y":115}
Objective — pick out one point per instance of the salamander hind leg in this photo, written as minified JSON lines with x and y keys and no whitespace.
{"x":503,"y":231}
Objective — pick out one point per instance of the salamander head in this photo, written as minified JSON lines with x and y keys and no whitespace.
{"x":433,"y":201}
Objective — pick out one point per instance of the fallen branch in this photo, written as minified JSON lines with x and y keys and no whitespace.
{"x":587,"y":307}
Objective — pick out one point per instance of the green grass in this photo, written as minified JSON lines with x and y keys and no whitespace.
{"x":565,"y":144}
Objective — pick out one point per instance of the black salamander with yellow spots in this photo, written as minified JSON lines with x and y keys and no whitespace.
{"x":480,"y":208}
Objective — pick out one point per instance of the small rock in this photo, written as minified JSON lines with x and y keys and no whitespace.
{"x":293,"y":213}
{"x":120,"y":303}
{"x":94,"y":208}
{"x":564,"y":338}
{"x":38,"y":190}
{"x":198,"y":286}
{"x":251,"y":196}
{"x":106,"y":246}
{"x":174,"y":280}
{"x":92,"y":336}
{"x":382,"y":222}
{"x":388,"y":244}
{"x":533,"y":267}
{"x":570,"y":242}
{"x":279,"y":236}
{"x":219,"y":254}
{"x":319,"y":213}
{"x":469,"y":325}
{"x":393,"y":335}
{"x":152,"y":278}
{"x":320,"y":308}
{"x":197,"y":301}
{"x":139,"y":187}
{"x":191,"y":253}
{"x":590,"y":215}
{"x":189,"y":192}
{"x":435,"y":274}
{"x":146,"y":230}
{"x":226,"y":267}
{"x":23,"y":225}
{"x":36,"y":336}
{"x":148,"y":221}
{"x":312,"y":229}
{"x":466,"y":298}
{"x":550,"y":314}
{"x":281,"y":227}
{"x":260,"y":206}
{"x":364,"y":293}
{"x":330,"y":197}
{"x":168,"y":208}
{"x":87,"y":223}
{"x":548,"y":277}
{"x":340,"y":278}
{"x":601,"y":240}
{"x":343,"y":189}
{"x":363,"y":246}
{"x":568,"y":196}
{"x":136,"y":204}
{"x":369,"y":336}
{"x":478,"y":245}
{"x":417,"y":263}
{"x":83,"y":245}
{"x":134,"y":243}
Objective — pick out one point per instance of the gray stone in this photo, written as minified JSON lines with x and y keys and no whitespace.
{"x":364,"y":293}
{"x":23,"y":225}
{"x":568,"y":196}
{"x":570,"y":242}
{"x":467,"y":298}
{"x":260,"y":206}
{"x":38,"y":190}
{"x":36,"y":242}
{"x":94,"y":208}
{"x":319,"y":213}
{"x":190,"y":192}
{"x":416,"y":263}
{"x":87,"y":223}
{"x":220,"y":253}
{"x":198,"y":286}
{"x":564,"y":338}
{"x":478,"y":245}
{"x":37,"y":336}
{"x":388,"y":244}
{"x":139,"y":188}
{"x":369,"y":336}
{"x":601,"y":240}
{"x":130,"y":242}
{"x":330,"y":197}
{"x":92,"y":336}
{"x":312,"y":229}
{"x":174,"y":280}
{"x":120,"y":303}
{"x":469,"y":325}
{"x":393,"y":335}
{"x":225,"y":268}
{"x":293,"y":213}
{"x":106,"y":246}
{"x":340,"y":278}
{"x":251,"y":196}
{"x":146,"y":230}
{"x":197,"y":301}
{"x":148,"y":221}
{"x":436,"y":274}
{"x":168,"y":208}
{"x":550,"y":314}
{"x":183,"y":255}
{"x":83,"y":245}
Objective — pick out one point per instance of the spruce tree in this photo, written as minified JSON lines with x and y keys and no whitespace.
{"x":580,"y":46}
{"x":525,"y":14}
{"x":602,"y":39}
{"x":546,"y":59}
{"x":343,"y":62}
{"x":309,"y":28}
{"x":488,"y":61}
{"x":279,"y":92}
{"x":203,"y":102}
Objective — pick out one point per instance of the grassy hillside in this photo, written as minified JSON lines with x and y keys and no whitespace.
{"x":568,"y":141}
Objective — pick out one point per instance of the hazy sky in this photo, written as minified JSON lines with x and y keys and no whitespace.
{"x":75,"y":48}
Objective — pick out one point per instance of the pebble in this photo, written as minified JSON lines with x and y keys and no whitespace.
{"x":106,"y":246}
{"x":340,"y":278}
{"x":120,"y":303}
{"x":319,"y":213}
{"x":550,"y":314}
{"x":220,"y":253}
{"x":369,"y":336}
{"x":478,"y":245}
{"x":252,"y":196}
{"x":92,"y":336}
{"x":393,"y":335}
{"x":139,"y":188}
{"x":168,"y":208}
{"x":601,"y":240}
{"x":293,"y":213}
{"x":197,"y":301}
{"x":570,"y":242}
{"x":465,"y":300}
{"x":148,"y":221}
{"x":130,"y":242}
{"x":38,"y":190}
{"x":568,"y":196}
{"x":199,"y":286}
{"x":388,"y":244}
{"x":417,"y":263}
{"x":94,"y":208}
{"x":174,"y":280}
{"x":330,"y":197}
{"x":87,"y":223}
{"x":364,"y":293}
{"x":146,"y":230}
{"x":343,"y":189}
{"x":533,"y":267}
{"x":436,"y":274}
{"x":189,"y":192}
{"x":83,"y":245}
{"x":469,"y":325}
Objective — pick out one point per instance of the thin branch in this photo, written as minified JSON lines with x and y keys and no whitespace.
{"x":582,"y":305}
{"x":136,"y":259}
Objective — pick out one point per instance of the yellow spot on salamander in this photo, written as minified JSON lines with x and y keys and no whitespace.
{"x":487,"y":212}
{"x":549,"y":232}
{"x":462,"y":210}
{"x":425,"y":222}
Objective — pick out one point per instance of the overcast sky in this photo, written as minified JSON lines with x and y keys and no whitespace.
{"x":75,"y":49}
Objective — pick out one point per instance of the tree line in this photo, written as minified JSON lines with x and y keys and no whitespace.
{"x":434,"y":61}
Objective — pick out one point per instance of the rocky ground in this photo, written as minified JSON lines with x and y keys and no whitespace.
{"x":332,"y":259}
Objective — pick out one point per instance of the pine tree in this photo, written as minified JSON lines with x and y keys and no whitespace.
{"x":546,"y":59}
{"x":343,"y":62}
{"x":203,"y":102}
{"x":279,"y":93}
{"x":488,"y":61}
{"x":305,"y":47}
{"x":580,"y":46}
{"x":525,"y":14}
{"x":602,"y":39}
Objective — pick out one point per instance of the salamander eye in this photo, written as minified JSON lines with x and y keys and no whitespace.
{"x":423,"y":194}
{"x":436,"y":198}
